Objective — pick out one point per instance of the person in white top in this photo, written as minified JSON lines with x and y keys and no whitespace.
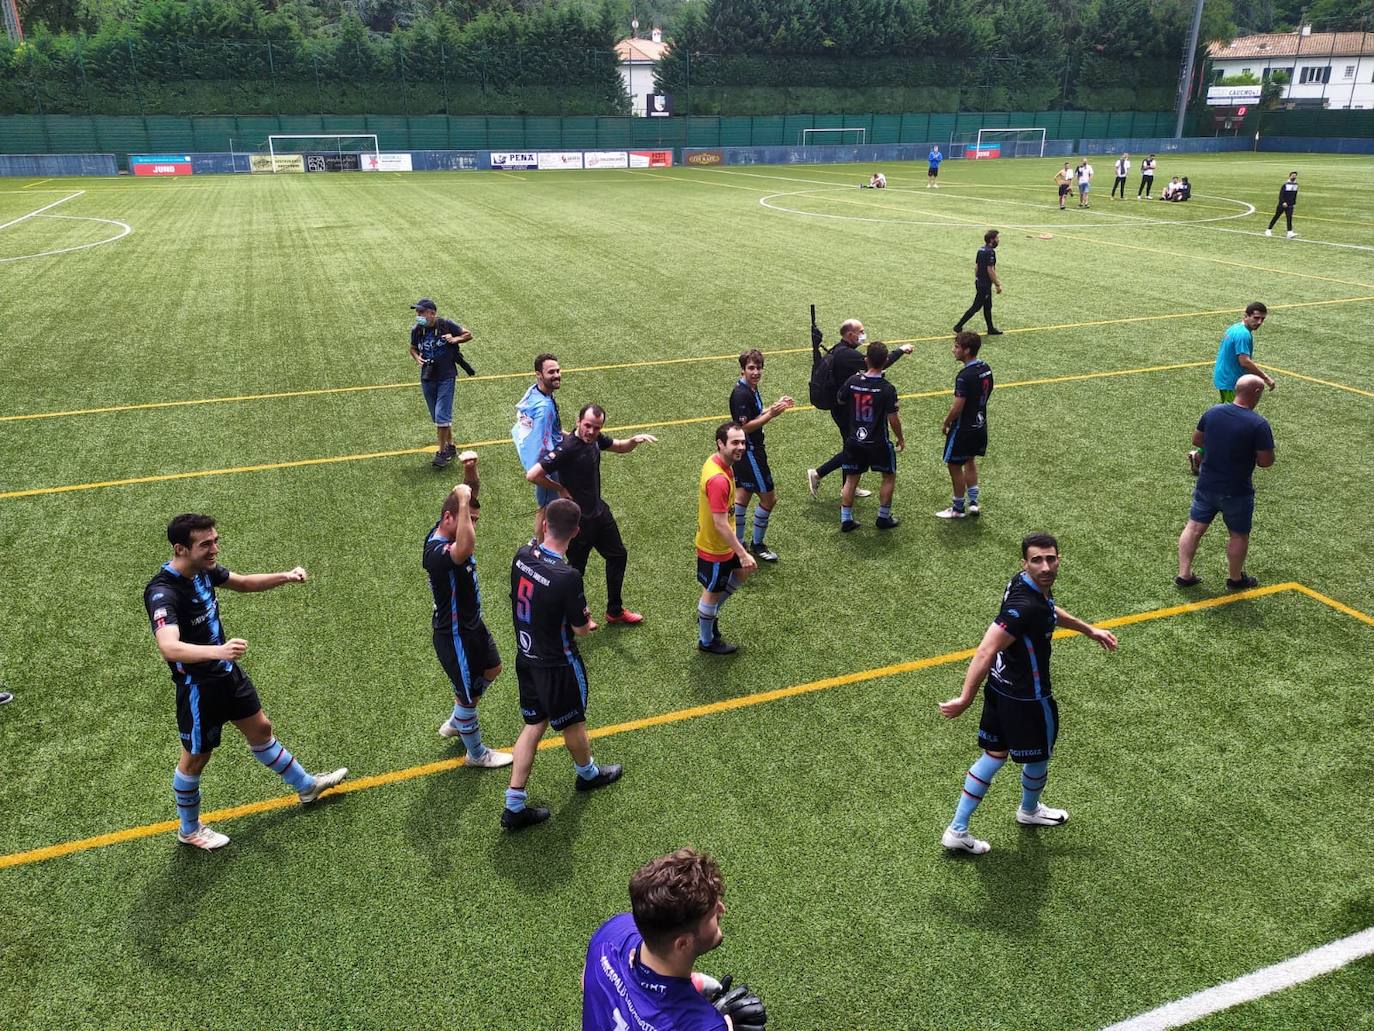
{"x":1147,"y":177}
{"x":1084,"y":172}
{"x":1123,"y":168}
{"x":877,"y":182}
{"x":1170,"y":188}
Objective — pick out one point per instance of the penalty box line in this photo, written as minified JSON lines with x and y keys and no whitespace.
{"x":410,"y":384}
{"x":119,"y":837}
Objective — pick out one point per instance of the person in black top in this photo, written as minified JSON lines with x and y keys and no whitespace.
{"x":845,"y":361}
{"x":434,"y":346}
{"x":1288,"y":197}
{"x":211,"y":688}
{"x":752,"y":475}
{"x":549,"y":610}
{"x":1020,"y":717}
{"x":462,"y":642}
{"x":966,"y":425}
{"x":872,"y":405}
{"x":577,"y":462}
{"x":985,"y":281}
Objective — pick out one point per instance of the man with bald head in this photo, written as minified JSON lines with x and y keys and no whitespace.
{"x":1234,"y":438}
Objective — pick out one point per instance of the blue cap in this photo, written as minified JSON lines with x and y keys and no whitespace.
{"x":425,"y":304}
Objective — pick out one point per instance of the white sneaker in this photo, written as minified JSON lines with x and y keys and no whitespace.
{"x":949,"y":513}
{"x":491,"y":760}
{"x":973,"y":508}
{"x":1269,"y":232}
{"x":1291,"y":234}
{"x":963,"y":841}
{"x":861,"y":493}
{"x":204,"y":837}
{"x":813,"y":482}
{"x":447,"y":729}
{"x":1043,"y":816}
{"x":323,"y":782}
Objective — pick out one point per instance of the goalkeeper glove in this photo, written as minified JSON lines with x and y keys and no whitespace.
{"x":741,"y":1005}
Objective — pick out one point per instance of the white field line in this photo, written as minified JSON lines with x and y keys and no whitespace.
{"x":45,"y":207}
{"x":126,"y":230}
{"x":1276,"y":978}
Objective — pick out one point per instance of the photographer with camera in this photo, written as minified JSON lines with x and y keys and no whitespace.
{"x":434,"y":345}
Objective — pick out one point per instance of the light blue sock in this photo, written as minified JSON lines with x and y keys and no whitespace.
{"x":973,"y":494}
{"x":587,"y":772}
{"x":276,"y":758}
{"x":1033,"y":778}
{"x":884,"y":511}
{"x":706,"y":621}
{"x":515,"y":799}
{"x":761,"y":515}
{"x":187,"y":790}
{"x":976,"y":785}
{"x":846,"y":513}
{"x":741,"y":513}
{"x":464,"y":720}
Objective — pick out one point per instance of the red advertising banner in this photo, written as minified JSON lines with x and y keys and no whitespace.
{"x":160,"y":164}
{"x":651,"y":159}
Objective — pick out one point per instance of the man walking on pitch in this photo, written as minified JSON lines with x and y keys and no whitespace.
{"x":1123,"y":169}
{"x":1147,"y":177}
{"x":549,"y":610}
{"x":1084,"y":174}
{"x":1236,"y":439}
{"x":211,"y":688}
{"x":966,"y":426}
{"x":844,"y":361}
{"x":985,"y":281}
{"x":464,"y":646}
{"x":1233,"y":361}
{"x":933,"y":171}
{"x":434,"y":346}
{"x":1020,"y":717}
{"x":754,"y":477}
{"x":577,"y":461}
{"x":538,"y":428}
{"x":872,"y":409}
{"x":1064,"y":179}
{"x":1288,"y":197}
{"x":723,"y":562}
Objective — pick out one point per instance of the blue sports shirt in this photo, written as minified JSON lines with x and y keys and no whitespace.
{"x":537,"y":428}
{"x":1231,"y":434}
{"x":1023,"y":669}
{"x":1237,"y":341}
{"x":620,"y":993}
{"x":935,"y":157}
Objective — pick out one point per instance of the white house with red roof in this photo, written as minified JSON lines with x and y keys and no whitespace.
{"x":1324,"y":69}
{"x":637,"y":57}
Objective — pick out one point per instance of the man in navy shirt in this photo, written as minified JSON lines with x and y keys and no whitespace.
{"x":872,"y":408}
{"x":1020,"y":716}
{"x":639,"y":973}
{"x":753,"y":475}
{"x":1234,"y":438}
{"x":434,"y":346}
{"x":966,"y":426}
{"x":211,"y":687}
{"x":985,"y":281}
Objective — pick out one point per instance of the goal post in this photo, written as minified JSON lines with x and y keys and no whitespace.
{"x":293,"y":146}
{"x":833,"y":137}
{"x":1011,"y":143}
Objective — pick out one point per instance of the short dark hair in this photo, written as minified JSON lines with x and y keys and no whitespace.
{"x":451,"y":504}
{"x":540,"y":359}
{"x":754,"y":355}
{"x":1256,"y":308}
{"x":562,"y":516}
{"x":670,"y":895}
{"x":594,"y":408}
{"x":969,"y":341}
{"x":991,"y":235}
{"x":876,"y":355}
{"x":1038,"y":540}
{"x":179,"y":530}
{"x":723,"y":431}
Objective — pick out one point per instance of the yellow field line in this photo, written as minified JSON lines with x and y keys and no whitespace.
{"x":65,"y":848}
{"x":661,"y":424}
{"x":1323,"y":382}
{"x":363,"y":388}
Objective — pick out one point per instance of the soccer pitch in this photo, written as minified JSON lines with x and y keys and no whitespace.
{"x":237,"y":346}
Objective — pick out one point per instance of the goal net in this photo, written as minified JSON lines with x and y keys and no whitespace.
{"x":326,"y":152}
{"x":833,"y":137}
{"x":1009,"y":143}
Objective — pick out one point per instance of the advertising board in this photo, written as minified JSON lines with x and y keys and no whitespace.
{"x":605,"y":159}
{"x":160,"y":164}
{"x":558,"y":159}
{"x":651,"y":159}
{"x":519,"y":159}
{"x":706,"y":157}
{"x":331,"y":162}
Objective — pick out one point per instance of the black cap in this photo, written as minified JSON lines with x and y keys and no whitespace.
{"x":425,"y":304}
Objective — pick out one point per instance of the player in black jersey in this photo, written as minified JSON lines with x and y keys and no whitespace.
{"x":464,"y":645}
{"x":752,"y":476}
{"x":966,"y":425}
{"x":550,"y":610}
{"x":1288,"y":198}
{"x":1020,"y":717}
{"x":871,"y":405}
{"x":211,"y":688}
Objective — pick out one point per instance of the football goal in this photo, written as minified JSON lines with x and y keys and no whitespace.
{"x":319,"y":152}
{"x":832,"y":137}
{"x":1011,"y":143}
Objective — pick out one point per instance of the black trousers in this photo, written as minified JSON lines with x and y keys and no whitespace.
{"x":1120,"y":184}
{"x":1287,"y":211}
{"x":600,"y":532}
{"x":840,"y":416}
{"x":982,"y":299}
{"x":1146,"y":181}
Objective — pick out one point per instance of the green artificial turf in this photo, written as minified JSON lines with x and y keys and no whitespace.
{"x":1216,"y":766}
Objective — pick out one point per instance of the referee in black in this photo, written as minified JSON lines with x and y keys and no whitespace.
{"x":577,"y":461}
{"x":550,"y":611}
{"x":985,"y":281}
{"x":1288,"y":197}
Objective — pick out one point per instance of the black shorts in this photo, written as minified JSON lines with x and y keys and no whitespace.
{"x":1064,"y":189}
{"x":557,"y":694}
{"x":464,"y":657}
{"x":206,"y":703}
{"x":875,"y":457}
{"x":933,"y":171}
{"x":1026,"y":728}
{"x":961,"y":445}
{"x":753,"y":473}
{"x":713,"y":575}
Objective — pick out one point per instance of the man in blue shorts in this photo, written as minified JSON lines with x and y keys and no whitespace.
{"x":538,"y":429}
{"x":753,"y":475}
{"x":1020,"y":717}
{"x":966,"y":426}
{"x":1235,"y":438}
{"x":211,"y":688}
{"x":434,"y":346}
{"x":933,"y":171}
{"x":1234,"y":360}
{"x":639,"y":973}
